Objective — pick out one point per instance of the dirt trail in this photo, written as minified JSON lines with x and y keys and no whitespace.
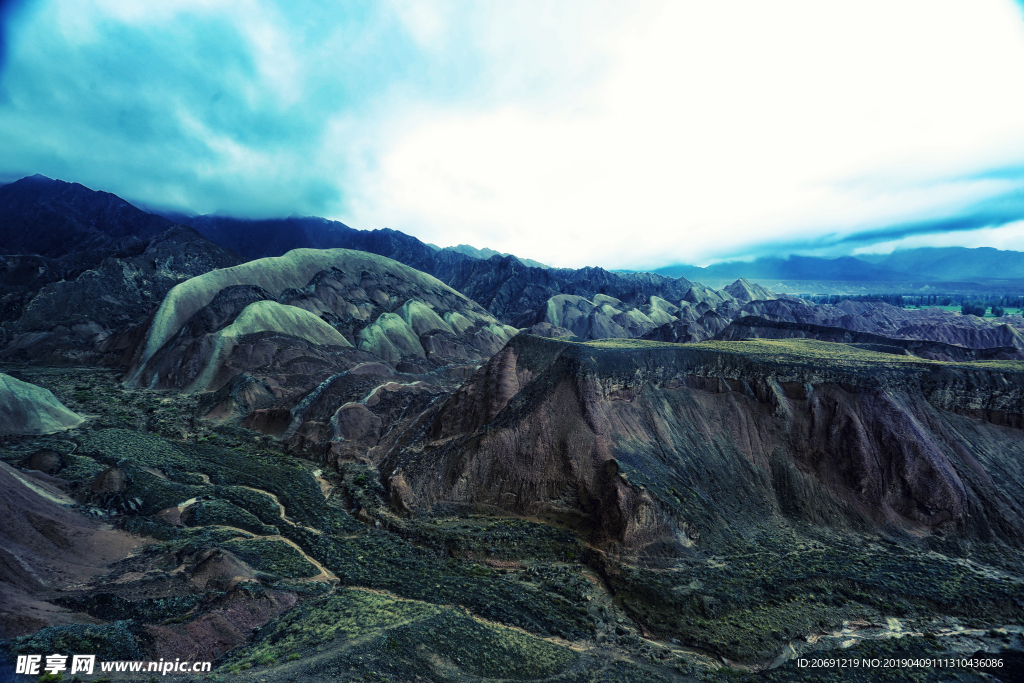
{"x":281,"y":511}
{"x":325,"y":575}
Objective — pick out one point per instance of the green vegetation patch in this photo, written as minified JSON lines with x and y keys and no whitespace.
{"x":801,"y":351}
{"x":184,"y":541}
{"x":349,"y":614}
{"x":392,"y":636}
{"x":114,"y":607}
{"x":260,"y":505}
{"x":80,"y":467}
{"x":156,"y":493}
{"x":280,"y":475}
{"x":117,"y":640}
{"x":223,"y":513}
{"x":272,"y":555}
{"x":747,"y":606}
{"x":454,"y":640}
{"x":489,"y":537}
{"x":381,"y":561}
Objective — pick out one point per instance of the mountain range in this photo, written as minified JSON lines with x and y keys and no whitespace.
{"x":67,"y":217}
{"x":924,"y":264}
{"x":302,"y":451}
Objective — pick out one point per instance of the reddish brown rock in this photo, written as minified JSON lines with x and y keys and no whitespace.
{"x":109,"y":481}
{"x":44,"y":460}
{"x":45,"y":546}
{"x":658,"y":446}
{"x":354,"y":421}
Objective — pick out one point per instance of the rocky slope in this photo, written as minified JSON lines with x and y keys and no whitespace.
{"x":658,"y":447}
{"x":40,"y":528}
{"x":78,"y":228}
{"x":28,"y":409}
{"x":890,"y":321}
{"x":85,"y":318}
{"x":55,"y":219}
{"x":699,"y":314}
{"x":688,"y":552}
{"x":81,"y":268}
{"x":703,"y":313}
{"x":517,"y":294}
{"x":486,"y":253}
{"x":752,"y":327}
{"x":317,"y":345}
{"x":510,"y":288}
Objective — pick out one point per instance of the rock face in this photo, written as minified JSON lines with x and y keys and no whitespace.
{"x":745,"y":291}
{"x":700,"y":313}
{"x":23,"y":275}
{"x":890,"y":321}
{"x":511,"y":289}
{"x":85,"y":318}
{"x":79,"y":268}
{"x":322,"y":348}
{"x":215,"y":326}
{"x":38,"y":532}
{"x":657,"y":447}
{"x":518,"y":294}
{"x":601,"y":318}
{"x":28,"y":409}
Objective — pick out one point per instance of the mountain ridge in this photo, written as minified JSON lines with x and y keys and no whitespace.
{"x":922,"y":264}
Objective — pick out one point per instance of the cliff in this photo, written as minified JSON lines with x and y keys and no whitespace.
{"x":657,"y":447}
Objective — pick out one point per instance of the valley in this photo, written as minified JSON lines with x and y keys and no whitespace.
{"x":349,"y":455}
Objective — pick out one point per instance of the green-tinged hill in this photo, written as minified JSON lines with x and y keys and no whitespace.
{"x":315,"y":346}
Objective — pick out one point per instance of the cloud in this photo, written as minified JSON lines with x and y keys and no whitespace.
{"x":720,"y":128}
{"x":1009,"y":236}
{"x":9,"y":14}
{"x":210,"y":106}
{"x":619,"y":134}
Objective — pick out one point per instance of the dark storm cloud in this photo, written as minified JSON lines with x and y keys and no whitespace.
{"x":993,"y":213}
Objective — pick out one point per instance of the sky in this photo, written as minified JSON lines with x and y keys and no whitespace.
{"x":621,"y":134}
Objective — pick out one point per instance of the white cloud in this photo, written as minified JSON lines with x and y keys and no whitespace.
{"x":622,"y":134}
{"x":711,"y":126}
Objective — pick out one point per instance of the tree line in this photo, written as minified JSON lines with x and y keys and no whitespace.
{"x":998,"y":305}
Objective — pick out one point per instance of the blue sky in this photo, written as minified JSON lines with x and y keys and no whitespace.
{"x":621,"y":134}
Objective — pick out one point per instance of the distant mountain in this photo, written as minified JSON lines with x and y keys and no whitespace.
{"x":515,"y":293}
{"x":255,"y":239}
{"x":927,"y":264}
{"x":52,"y":218}
{"x":58,"y":230}
{"x":75,"y":257}
{"x":955,"y":263}
{"x":486,"y":253}
{"x":71,"y":318}
{"x":794,"y":268}
{"x":273,"y":237}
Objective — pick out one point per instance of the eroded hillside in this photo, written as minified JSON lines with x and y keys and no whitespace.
{"x":328,"y":465}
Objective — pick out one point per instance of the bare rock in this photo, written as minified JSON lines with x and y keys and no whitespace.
{"x":44,"y":460}
{"x":28,"y":409}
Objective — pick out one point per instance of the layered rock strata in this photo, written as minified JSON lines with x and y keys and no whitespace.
{"x":657,"y":446}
